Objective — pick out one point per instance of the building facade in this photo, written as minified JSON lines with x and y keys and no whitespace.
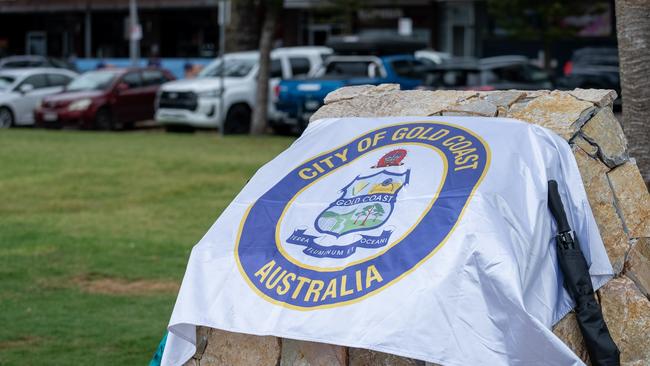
{"x":98,"y":28}
{"x":189,"y":28}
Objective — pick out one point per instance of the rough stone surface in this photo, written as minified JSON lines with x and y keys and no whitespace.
{"x":627,"y":313}
{"x":472,"y":108}
{"x":601,"y":201}
{"x":632,"y":199}
{"x":531,"y":94}
{"x":192,"y":362}
{"x":557,"y":111}
{"x":604,"y":131}
{"x":348,"y":92}
{"x":637,"y":266}
{"x":301,"y":353}
{"x":515,"y":108}
{"x":236,"y":349}
{"x":372,"y":103}
{"x":585,"y":145}
{"x":600,"y":97}
{"x":364,"y":357}
{"x":567,"y":330}
{"x":503,"y":98}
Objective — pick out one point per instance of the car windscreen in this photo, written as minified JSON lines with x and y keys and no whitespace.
{"x":93,"y":80}
{"x":233,"y":68}
{"x":348,"y":68}
{"x":6,"y":81}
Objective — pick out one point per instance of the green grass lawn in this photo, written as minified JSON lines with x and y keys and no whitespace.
{"x":80,"y":210}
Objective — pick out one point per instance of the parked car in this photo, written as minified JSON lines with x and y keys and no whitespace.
{"x":31,"y":61}
{"x":196,"y":102}
{"x":592,"y":67}
{"x":491,"y":73}
{"x":432,"y":58}
{"x":104,"y":99}
{"x":298,"y":99}
{"x":21,"y":90}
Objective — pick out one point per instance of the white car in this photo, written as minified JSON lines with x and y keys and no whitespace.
{"x":21,"y":90}
{"x":431,"y":57}
{"x":197,"y":102}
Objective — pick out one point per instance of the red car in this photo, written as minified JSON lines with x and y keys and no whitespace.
{"x":104,"y":99}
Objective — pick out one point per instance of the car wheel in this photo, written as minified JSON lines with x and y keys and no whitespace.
{"x":238,"y":120}
{"x":6,"y":117}
{"x":104,"y":119}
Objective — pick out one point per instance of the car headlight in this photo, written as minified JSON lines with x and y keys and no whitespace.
{"x":80,"y":105}
{"x":211,"y":93}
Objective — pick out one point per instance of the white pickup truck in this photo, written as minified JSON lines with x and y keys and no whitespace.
{"x":196,"y":103}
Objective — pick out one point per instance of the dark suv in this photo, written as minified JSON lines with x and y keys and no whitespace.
{"x":592,"y":67}
{"x":491,"y":73}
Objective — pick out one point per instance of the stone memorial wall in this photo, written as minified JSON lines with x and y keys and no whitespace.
{"x":617,"y":194}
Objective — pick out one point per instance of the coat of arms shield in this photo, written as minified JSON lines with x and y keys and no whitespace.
{"x":366,"y":203}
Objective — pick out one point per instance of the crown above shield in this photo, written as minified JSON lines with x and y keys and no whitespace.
{"x":393,"y":158}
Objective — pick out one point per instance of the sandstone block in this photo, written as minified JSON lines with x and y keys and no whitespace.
{"x":605,"y":132}
{"x":569,"y":332}
{"x":472,"y":108}
{"x":202,"y":335}
{"x":347,"y":92}
{"x":515,"y":108}
{"x":601,"y":200}
{"x":585,"y":145}
{"x":637,"y":266}
{"x":557,"y":111}
{"x":600,"y":97}
{"x":237,"y":349}
{"x":383,"y":101}
{"x":192,"y":362}
{"x":532,"y":94}
{"x":632,"y":199}
{"x":504,"y":98}
{"x":302,"y":353}
{"x":627,"y":313}
{"x":364,"y":357}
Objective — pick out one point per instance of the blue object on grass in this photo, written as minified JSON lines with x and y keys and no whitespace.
{"x":157,"y":357}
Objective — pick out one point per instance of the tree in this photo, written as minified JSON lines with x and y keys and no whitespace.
{"x":358,"y":215}
{"x":260,"y":115}
{"x":368,"y":210}
{"x":543,"y":20}
{"x":243,"y":32}
{"x":633,"y":32}
{"x":379,"y":211}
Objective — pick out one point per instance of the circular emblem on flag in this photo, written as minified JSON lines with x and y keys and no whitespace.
{"x":351,"y":221}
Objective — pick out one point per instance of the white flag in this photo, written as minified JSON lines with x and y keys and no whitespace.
{"x":428,"y":238}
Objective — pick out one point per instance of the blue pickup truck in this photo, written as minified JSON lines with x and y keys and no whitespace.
{"x":298,"y":99}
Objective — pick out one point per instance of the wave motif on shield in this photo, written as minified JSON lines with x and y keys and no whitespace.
{"x":366,"y":203}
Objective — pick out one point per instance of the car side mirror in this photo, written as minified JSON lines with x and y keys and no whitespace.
{"x":26,"y":88}
{"x":122,"y":87}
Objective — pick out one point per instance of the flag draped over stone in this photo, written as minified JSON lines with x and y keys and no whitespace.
{"x":456,"y":267}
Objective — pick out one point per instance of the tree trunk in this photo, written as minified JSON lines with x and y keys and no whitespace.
{"x":633,"y":31}
{"x":243,"y":31}
{"x":260,"y":115}
{"x":370,"y":210}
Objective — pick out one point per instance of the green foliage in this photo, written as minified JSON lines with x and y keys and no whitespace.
{"x":537,"y":19}
{"x":126,"y":206}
